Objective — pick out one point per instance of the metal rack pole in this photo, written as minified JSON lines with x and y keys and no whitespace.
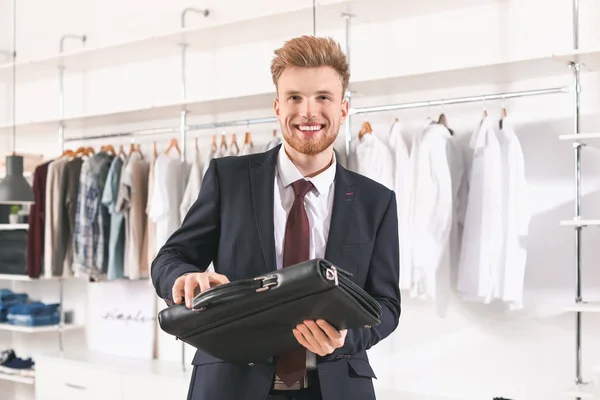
{"x":61,"y":94}
{"x":353,"y":111}
{"x":348,"y":124}
{"x":183,"y":114}
{"x":61,"y":324}
{"x":577,"y":150}
{"x":460,"y":100}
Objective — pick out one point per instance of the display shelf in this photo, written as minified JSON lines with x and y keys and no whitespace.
{"x":587,"y":139}
{"x":12,"y":227}
{"x":122,"y":364}
{"x":586,"y":391}
{"x":150,"y":113}
{"x":28,"y":380}
{"x":580,"y":222}
{"x":293,"y":19}
{"x":15,"y":277}
{"x":487,"y":73}
{"x":585,"y":306}
{"x":38,"y":329}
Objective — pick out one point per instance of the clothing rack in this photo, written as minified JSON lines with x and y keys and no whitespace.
{"x":575,"y":88}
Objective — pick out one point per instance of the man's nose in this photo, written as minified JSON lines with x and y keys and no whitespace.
{"x":307,"y":109}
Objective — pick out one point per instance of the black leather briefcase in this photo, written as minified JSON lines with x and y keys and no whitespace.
{"x":250,"y":320}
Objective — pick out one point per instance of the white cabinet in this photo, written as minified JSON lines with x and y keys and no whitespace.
{"x":100,"y":377}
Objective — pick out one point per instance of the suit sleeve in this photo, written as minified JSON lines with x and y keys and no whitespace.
{"x":382,"y":284}
{"x":193,"y":246}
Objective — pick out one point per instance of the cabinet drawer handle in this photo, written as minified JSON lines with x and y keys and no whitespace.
{"x":75,"y":386}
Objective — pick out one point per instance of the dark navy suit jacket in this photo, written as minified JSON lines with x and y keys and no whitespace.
{"x":231,"y":225}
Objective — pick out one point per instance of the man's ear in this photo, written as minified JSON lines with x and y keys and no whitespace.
{"x":345,"y":110}
{"x":276,"y":106}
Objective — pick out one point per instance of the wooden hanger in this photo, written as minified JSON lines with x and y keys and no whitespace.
{"x":248,"y":139}
{"x":121,"y":152}
{"x":197,"y":145}
{"x":81,"y":151}
{"x":503,"y":115}
{"x":223,"y":142}
{"x":234,"y":143}
{"x":213,"y":142}
{"x":108,"y":149}
{"x":69,"y":153}
{"x":173,"y":144}
{"x":274,"y":132}
{"x":443,"y":120}
{"x":154,"y":151}
{"x":366,"y":128}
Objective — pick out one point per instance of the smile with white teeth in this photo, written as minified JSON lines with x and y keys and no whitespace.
{"x":309,"y":128}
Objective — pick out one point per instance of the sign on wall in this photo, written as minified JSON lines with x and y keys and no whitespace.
{"x":122,"y":318}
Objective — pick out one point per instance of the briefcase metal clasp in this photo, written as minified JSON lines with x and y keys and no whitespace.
{"x":331,"y":274}
{"x":267,"y":282}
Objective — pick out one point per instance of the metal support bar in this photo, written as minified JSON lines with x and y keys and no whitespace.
{"x":362,"y":110}
{"x":61,"y":94}
{"x":577,"y":150}
{"x":14,"y":78}
{"x":205,"y":12}
{"x":459,"y":100}
{"x":314,"y":10}
{"x":348,"y":124}
{"x":61,"y":325}
{"x":183,"y":113}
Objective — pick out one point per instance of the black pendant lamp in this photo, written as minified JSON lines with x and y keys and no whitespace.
{"x":14,"y":188}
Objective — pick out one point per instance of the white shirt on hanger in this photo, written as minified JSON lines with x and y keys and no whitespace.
{"x":429,"y":215}
{"x":371,"y":157}
{"x":516,"y":215}
{"x":479,"y":266}
{"x":166,"y":197}
{"x":401,"y":173}
{"x":192,"y":188}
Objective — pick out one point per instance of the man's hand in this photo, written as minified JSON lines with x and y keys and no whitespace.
{"x":319,"y":337}
{"x":189,"y":286}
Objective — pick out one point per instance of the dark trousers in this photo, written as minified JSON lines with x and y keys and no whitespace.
{"x":312,"y":392}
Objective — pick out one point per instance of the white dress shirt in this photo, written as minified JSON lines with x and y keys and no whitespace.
{"x":373,"y":158}
{"x":479,"y":266}
{"x":318,"y":203}
{"x":429,"y":215}
{"x":516,"y":215}
{"x":193,"y":186}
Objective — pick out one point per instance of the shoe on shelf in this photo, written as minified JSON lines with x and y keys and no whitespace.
{"x":18,"y":366}
{"x":6,"y":356}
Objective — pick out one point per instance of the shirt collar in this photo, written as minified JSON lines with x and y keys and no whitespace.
{"x":289,"y":174}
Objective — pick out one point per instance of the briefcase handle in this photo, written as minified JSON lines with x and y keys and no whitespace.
{"x":232,"y":291}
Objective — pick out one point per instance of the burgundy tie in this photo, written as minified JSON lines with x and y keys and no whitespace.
{"x":291,"y":366}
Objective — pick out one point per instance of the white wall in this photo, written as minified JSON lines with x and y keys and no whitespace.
{"x":476,"y":352}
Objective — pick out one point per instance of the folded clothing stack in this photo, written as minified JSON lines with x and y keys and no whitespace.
{"x":17,"y":309}
{"x":13,"y":365}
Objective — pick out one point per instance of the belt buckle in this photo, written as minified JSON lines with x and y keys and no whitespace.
{"x":301,"y":384}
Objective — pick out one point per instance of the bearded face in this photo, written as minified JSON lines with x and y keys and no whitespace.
{"x":310,"y":108}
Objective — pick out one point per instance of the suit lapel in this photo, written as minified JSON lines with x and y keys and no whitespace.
{"x":343,"y":210}
{"x":262,"y":181}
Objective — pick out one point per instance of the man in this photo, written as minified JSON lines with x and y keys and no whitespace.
{"x":262,"y":212}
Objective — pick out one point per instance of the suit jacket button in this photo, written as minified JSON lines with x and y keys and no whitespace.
{"x":269,"y":359}
{"x":251,"y":364}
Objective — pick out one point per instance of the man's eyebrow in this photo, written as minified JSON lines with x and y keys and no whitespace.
{"x":297,"y":92}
